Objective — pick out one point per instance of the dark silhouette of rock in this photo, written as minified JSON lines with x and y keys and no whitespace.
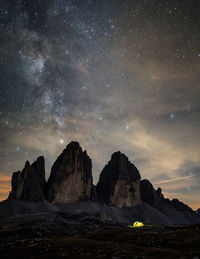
{"x":71,"y":176}
{"x":180,"y":205}
{"x":151,"y":196}
{"x":94,"y":196}
{"x":29,"y":184}
{"x":156,"y":199}
{"x":198,"y":211}
{"x":70,"y":184}
{"x":119,"y":182}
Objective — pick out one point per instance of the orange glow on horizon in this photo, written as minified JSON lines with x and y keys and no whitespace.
{"x":5,"y":186}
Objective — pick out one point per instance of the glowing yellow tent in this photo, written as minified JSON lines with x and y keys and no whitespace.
{"x":137,"y":224}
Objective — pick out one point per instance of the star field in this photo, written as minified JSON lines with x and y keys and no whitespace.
{"x":113,"y":75}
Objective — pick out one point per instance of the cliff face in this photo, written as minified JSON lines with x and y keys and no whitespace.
{"x":71,"y":176}
{"x":29,"y":184}
{"x":119,"y":182}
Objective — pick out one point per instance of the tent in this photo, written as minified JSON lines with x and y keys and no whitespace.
{"x":137,"y":224}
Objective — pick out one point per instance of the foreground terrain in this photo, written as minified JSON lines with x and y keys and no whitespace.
{"x":94,"y":238}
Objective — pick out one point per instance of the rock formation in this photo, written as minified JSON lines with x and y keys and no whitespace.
{"x":151,"y":196}
{"x":178,"y":205}
{"x":198,"y":211}
{"x":71,"y":176}
{"x":29,"y":184}
{"x":156,"y":199}
{"x":70,"y":181}
{"x":119,"y":182}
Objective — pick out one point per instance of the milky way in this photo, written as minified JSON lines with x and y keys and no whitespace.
{"x":113,"y":75}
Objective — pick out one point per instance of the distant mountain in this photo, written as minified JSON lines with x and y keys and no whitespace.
{"x":119,"y":193}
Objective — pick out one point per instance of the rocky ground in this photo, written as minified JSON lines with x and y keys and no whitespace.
{"x":54,"y":236}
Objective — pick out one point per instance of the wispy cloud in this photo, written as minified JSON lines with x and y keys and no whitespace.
{"x":174,"y":179}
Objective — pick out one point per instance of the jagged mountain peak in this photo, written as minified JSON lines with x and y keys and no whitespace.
{"x":71,"y":180}
{"x":119,"y":182}
{"x":29,"y":184}
{"x":71,"y":176}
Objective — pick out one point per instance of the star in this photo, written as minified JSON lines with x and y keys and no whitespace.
{"x":127,"y":127}
{"x":172,"y":116}
{"x":61,"y":141}
{"x":73,"y":70}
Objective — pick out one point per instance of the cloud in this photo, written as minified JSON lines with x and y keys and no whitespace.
{"x":66,"y":68}
{"x":174,"y":179}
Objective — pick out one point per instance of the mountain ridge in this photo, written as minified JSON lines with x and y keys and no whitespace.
{"x":119,"y":188}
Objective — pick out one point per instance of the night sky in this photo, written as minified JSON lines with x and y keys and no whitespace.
{"x":113,"y":75}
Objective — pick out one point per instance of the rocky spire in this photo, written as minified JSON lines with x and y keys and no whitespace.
{"x":71,"y":176}
{"x":151,"y":196}
{"x":119,"y":182}
{"x":29,"y":184}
